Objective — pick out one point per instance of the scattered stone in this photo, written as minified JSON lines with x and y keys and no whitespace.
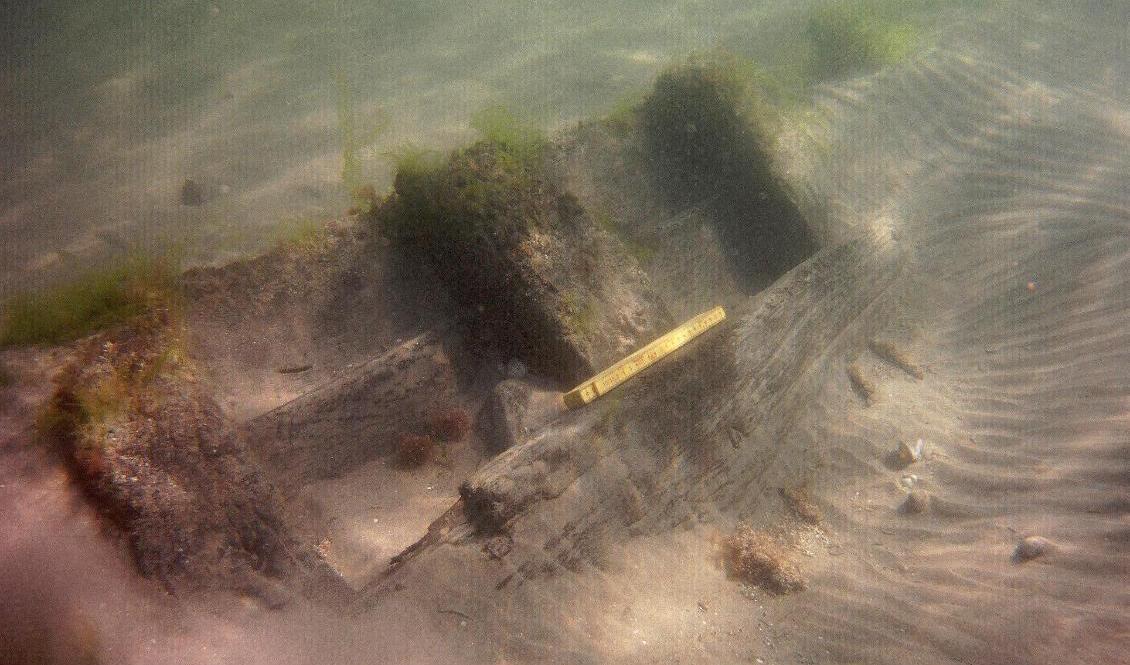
{"x":1032,"y":547}
{"x":917,"y":502}
{"x":908,"y":482}
{"x":909,"y":453}
{"x":191,"y":193}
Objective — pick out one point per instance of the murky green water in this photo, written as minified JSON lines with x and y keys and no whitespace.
{"x":112,"y":106}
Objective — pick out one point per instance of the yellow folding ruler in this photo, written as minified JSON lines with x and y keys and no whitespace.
{"x":642,"y":359}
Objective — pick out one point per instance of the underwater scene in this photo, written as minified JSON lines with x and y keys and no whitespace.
{"x":715,"y":331}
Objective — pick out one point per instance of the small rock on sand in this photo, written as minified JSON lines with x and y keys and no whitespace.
{"x":1032,"y":547}
{"x":909,"y":453}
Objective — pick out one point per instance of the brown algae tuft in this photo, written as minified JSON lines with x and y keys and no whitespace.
{"x":760,"y":559}
{"x":801,"y":504}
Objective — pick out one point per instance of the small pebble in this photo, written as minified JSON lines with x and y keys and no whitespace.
{"x":909,"y":453}
{"x":1032,"y":547}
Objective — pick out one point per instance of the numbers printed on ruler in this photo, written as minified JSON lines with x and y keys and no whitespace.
{"x":643,"y":358}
